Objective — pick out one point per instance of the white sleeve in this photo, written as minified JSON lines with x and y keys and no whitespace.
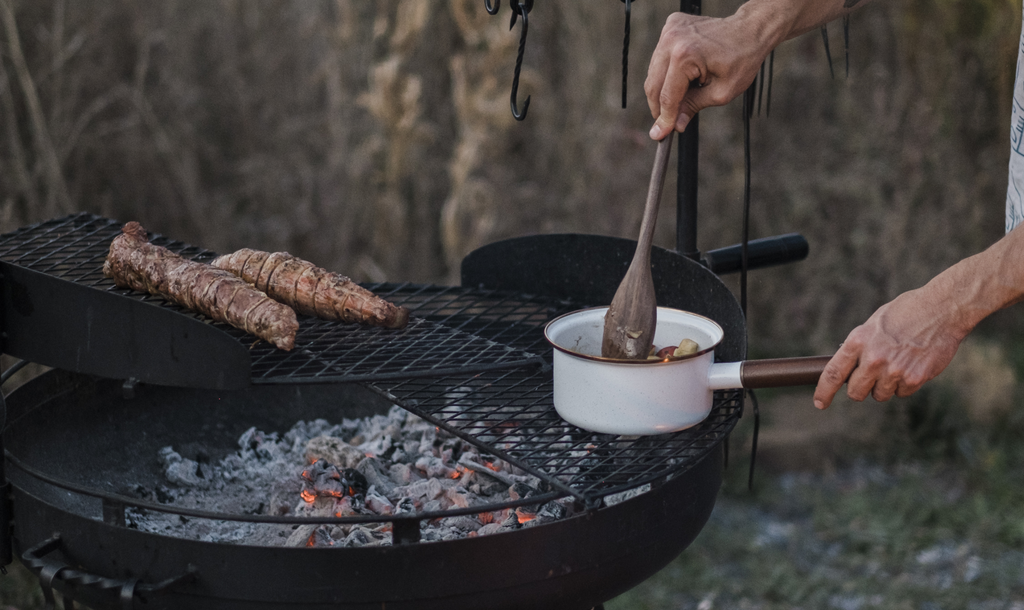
{"x":1015,"y":184}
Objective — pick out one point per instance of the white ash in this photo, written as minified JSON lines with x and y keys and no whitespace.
{"x":622,"y":496}
{"x":381,"y":465}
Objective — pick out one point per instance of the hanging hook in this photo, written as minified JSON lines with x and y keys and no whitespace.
{"x":492,"y":10}
{"x":520,"y":8}
{"x":625,"y":51}
{"x":828,"y":51}
{"x":846,"y":42}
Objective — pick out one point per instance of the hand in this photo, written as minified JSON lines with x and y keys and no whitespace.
{"x":904,"y":344}
{"x":700,"y":62}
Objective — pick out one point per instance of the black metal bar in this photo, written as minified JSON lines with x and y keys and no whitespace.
{"x":50,"y":571}
{"x":763,"y":252}
{"x":753,"y":445}
{"x":14,"y":368}
{"x":828,"y":50}
{"x":748,"y":106}
{"x":405,"y":531}
{"x":111,"y":500}
{"x":846,"y":43}
{"x":113,"y":512}
{"x":6,"y":508}
{"x":686,"y":183}
{"x":625,"y":51}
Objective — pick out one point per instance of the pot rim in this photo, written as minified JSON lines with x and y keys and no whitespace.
{"x":629,"y":361}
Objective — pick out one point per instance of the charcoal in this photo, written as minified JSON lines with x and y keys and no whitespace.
{"x":411,"y":470}
{"x":552,"y":511}
{"x":463,"y":523}
{"x":434,"y":467}
{"x":405,"y":505}
{"x":320,"y":537}
{"x":521,"y":490}
{"x":359,"y":536}
{"x":403,"y":474}
{"x":333,"y":450}
{"x":182,"y":471}
{"x":354,"y":481}
{"x":376,"y":475}
{"x":377,"y":503}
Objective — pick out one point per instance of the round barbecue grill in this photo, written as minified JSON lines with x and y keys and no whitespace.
{"x":77,"y":439}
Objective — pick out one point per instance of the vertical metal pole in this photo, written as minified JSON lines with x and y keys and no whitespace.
{"x":686,"y":183}
{"x":6,"y":508}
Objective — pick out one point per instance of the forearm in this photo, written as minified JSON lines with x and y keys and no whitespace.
{"x":775,"y":21}
{"x":722,"y":56}
{"x":982,"y":284}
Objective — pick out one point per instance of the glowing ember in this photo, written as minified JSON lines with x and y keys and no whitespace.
{"x":380,"y":466}
{"x":523,"y":515}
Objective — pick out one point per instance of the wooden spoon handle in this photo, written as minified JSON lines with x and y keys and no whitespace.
{"x":654,"y":195}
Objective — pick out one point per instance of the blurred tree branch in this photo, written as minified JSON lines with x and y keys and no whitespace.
{"x":57,"y":201}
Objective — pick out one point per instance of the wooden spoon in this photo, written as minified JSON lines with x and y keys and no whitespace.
{"x":631,"y":318}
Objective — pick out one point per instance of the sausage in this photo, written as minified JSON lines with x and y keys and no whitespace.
{"x":133,"y":262}
{"x":311,"y":290}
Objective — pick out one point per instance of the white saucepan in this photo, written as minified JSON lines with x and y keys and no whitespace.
{"x":638,"y":397}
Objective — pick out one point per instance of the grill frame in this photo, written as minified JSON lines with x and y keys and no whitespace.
{"x":602,"y":561}
{"x":488,"y":406}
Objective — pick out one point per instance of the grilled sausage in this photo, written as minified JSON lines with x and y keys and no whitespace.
{"x":311,"y":290}
{"x":135,"y":263}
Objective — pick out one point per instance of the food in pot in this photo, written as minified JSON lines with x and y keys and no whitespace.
{"x":685,"y":348}
{"x":311,"y":290}
{"x":135,"y":263}
{"x":666,"y":352}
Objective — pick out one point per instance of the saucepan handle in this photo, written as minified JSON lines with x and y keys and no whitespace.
{"x":782,"y":372}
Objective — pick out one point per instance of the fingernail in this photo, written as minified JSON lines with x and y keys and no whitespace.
{"x":655,"y":132}
{"x":682,"y":121}
{"x":819,"y":405}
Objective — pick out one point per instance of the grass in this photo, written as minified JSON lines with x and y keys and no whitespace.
{"x":19,"y":589}
{"x":914,"y":534}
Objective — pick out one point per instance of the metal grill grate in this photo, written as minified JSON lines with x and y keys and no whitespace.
{"x":74,"y":248}
{"x":482,"y":380}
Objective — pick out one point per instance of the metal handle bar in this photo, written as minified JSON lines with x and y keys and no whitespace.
{"x":51,"y":570}
{"x":764,"y":252}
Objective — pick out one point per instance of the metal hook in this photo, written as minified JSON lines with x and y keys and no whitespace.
{"x":828,"y":51}
{"x":625,"y":52}
{"x":846,"y":43}
{"x":492,"y":10}
{"x":523,"y":9}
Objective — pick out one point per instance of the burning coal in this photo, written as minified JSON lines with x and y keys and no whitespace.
{"x":377,"y":466}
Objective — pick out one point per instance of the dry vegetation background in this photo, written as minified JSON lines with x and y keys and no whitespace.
{"x":375,"y":138}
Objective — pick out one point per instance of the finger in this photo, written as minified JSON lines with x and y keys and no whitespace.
{"x":904,"y":389}
{"x":885,"y":388}
{"x":861,"y":382}
{"x":833,"y":376}
{"x":677,"y":83}
{"x":656,"y":80}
